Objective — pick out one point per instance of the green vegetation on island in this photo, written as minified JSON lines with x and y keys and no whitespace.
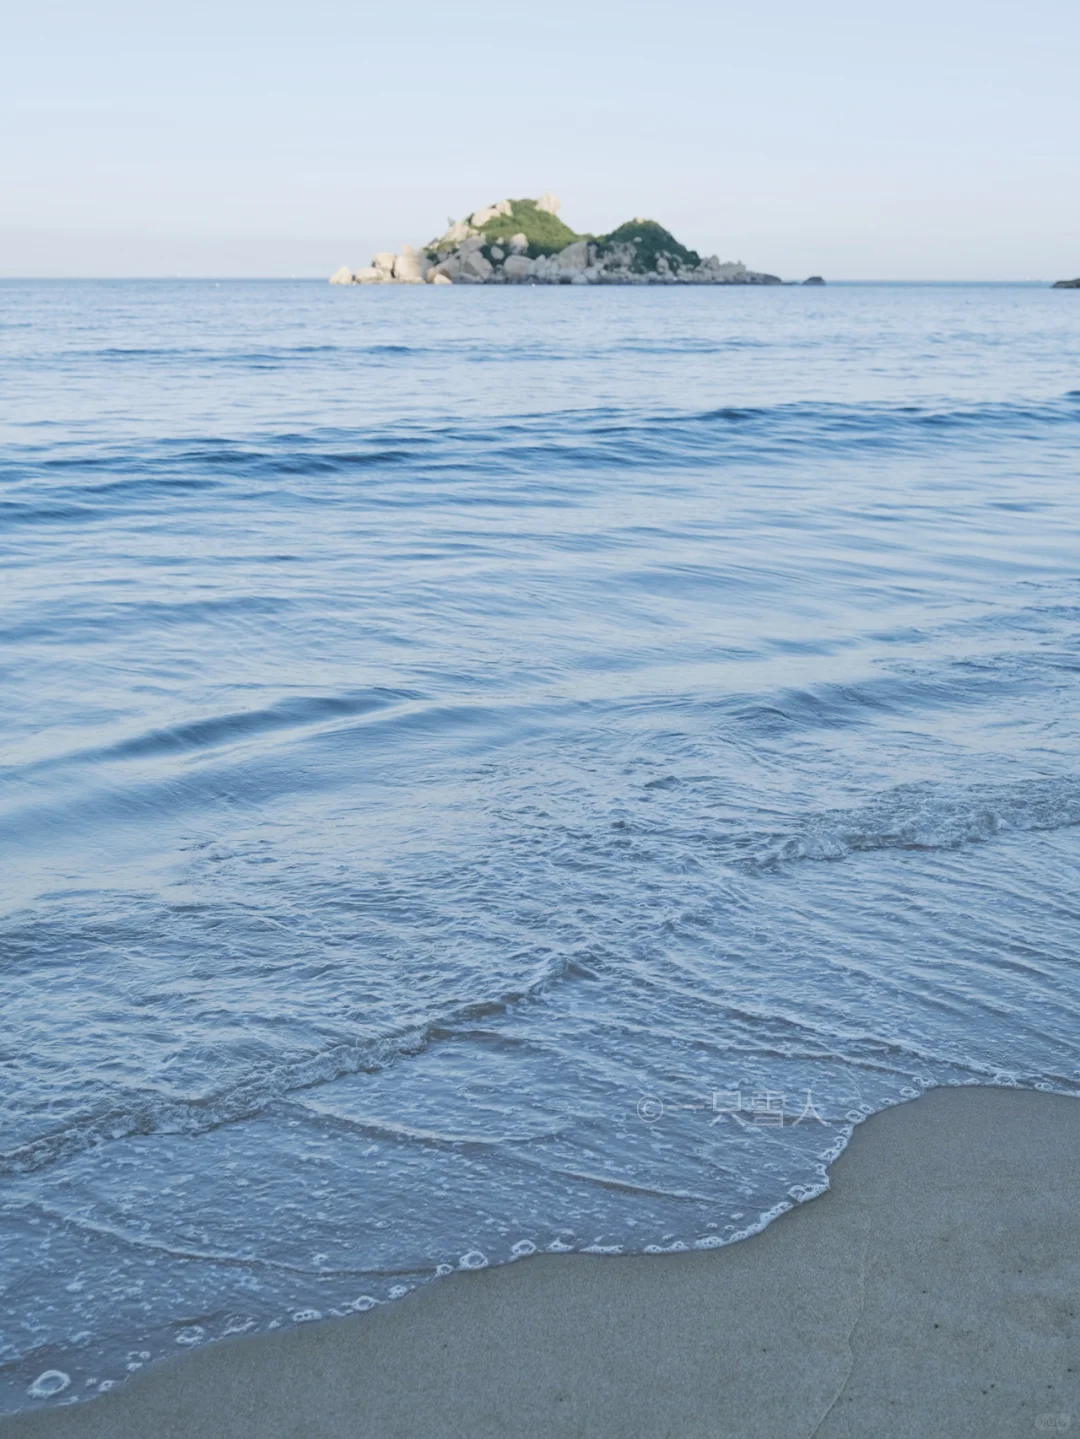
{"x":651,"y":244}
{"x":545,"y":233}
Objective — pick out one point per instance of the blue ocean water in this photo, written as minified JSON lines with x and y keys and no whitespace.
{"x":496,"y":771}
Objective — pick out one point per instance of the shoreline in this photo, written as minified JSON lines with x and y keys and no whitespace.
{"x":933,"y":1290}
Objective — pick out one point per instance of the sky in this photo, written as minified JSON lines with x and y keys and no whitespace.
{"x":860,"y":141}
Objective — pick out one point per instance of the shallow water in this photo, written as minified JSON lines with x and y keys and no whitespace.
{"x":488,"y":770}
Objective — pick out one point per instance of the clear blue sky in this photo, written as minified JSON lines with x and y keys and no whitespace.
{"x":916,"y":140}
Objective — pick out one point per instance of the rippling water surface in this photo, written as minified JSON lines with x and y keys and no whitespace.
{"x":491,"y":771}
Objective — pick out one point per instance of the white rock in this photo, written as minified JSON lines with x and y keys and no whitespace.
{"x":504,"y":207}
{"x":518,"y":242}
{"x":474,"y":266}
{"x":370,"y":276}
{"x":549,"y":203}
{"x":575,"y":256}
{"x":580,"y":278}
{"x":456,"y":233}
{"x":470,"y":244}
{"x":385,"y":261}
{"x":498,"y":253}
{"x":479,"y":218}
{"x":409,"y":267}
{"x":440,"y":279}
{"x":342,"y":276}
{"x":518,"y":267}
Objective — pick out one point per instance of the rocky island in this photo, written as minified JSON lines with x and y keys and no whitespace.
{"x":524,"y":242}
{"x":1066,"y":284}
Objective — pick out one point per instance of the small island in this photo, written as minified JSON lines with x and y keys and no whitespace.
{"x":524,"y":242}
{"x":1066,"y":284}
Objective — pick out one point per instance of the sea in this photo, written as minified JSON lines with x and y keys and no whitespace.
{"x":499,"y":771}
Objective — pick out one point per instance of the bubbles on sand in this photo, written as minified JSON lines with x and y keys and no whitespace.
{"x":473,"y":1260}
{"x":193,"y":1334}
{"x":53,"y":1381}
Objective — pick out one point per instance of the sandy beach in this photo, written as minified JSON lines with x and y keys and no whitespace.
{"x":932,"y":1292}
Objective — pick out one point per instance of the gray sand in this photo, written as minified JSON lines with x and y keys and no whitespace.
{"x":933,"y":1292}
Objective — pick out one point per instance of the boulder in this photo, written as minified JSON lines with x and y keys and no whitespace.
{"x":519,"y":243}
{"x":518,"y":267}
{"x":342,"y":276}
{"x":475,"y":266}
{"x":480,"y":218}
{"x":549,"y":203}
{"x":455,"y":234}
{"x":575,"y":256}
{"x":450,"y":269}
{"x":409,"y":267}
{"x":384,"y":261}
{"x":370,"y":276}
{"x":498,"y":253}
{"x":438,"y":278}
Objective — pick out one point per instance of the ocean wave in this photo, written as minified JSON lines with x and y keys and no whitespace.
{"x":121,"y":1114}
{"x":921,"y":817}
{"x":211,"y":732}
{"x":245,"y":1098}
{"x":598,"y":440}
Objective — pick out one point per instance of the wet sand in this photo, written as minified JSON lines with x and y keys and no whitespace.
{"x":933,"y":1292}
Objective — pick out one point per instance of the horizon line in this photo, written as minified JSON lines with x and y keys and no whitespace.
{"x":323,"y":279}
